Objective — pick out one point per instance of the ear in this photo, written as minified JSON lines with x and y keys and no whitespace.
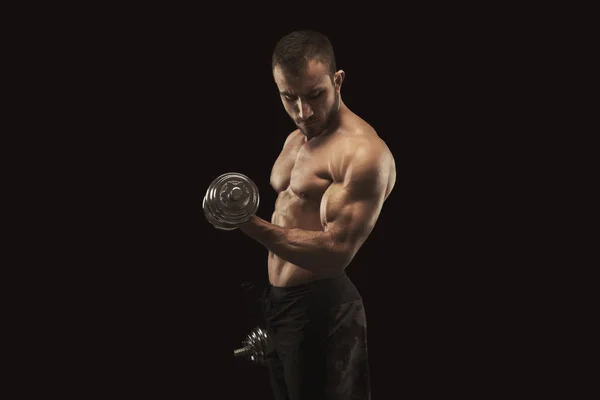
{"x":338,"y":78}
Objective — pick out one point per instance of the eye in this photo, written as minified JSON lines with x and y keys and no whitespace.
{"x":288,"y":97}
{"x":314,"y":96}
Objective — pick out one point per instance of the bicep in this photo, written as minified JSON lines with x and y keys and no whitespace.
{"x":350,"y":210}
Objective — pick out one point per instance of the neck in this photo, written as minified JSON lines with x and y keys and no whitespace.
{"x":335,"y":120}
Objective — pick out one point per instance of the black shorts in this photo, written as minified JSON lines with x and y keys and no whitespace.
{"x":319,"y":336}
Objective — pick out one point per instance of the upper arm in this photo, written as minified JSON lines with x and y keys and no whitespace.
{"x":350,"y":208}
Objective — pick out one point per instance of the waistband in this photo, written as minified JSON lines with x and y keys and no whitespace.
{"x":339,"y":286}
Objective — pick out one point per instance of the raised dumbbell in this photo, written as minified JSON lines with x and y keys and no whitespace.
{"x":231,"y":199}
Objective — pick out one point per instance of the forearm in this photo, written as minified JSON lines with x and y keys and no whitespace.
{"x":312,"y":250}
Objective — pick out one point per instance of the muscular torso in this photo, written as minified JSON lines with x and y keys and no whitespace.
{"x":301,"y":175}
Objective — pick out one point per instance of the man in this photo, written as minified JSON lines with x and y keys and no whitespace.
{"x":332,"y":177}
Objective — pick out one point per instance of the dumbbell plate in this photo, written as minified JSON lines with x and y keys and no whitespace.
{"x":231,"y":199}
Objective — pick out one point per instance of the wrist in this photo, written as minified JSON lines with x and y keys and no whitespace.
{"x":249,"y":224}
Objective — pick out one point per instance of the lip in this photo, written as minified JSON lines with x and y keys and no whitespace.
{"x":310,"y":122}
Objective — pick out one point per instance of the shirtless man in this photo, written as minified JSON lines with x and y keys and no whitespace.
{"x":332,"y":177}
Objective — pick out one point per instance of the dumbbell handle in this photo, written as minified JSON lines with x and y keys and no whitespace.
{"x":243,"y":352}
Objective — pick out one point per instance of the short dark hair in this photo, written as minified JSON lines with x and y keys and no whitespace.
{"x":294,"y":50}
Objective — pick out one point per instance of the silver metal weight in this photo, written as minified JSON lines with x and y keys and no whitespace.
{"x":257,"y":346}
{"x":231,"y":199}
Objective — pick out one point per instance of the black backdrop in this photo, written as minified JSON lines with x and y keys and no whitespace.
{"x":163,"y":105}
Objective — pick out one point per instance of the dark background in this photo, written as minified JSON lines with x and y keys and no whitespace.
{"x":155,"y":105}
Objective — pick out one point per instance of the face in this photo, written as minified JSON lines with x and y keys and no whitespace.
{"x":312,"y":99}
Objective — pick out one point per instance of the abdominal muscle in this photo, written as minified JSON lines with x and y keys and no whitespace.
{"x":292,"y":211}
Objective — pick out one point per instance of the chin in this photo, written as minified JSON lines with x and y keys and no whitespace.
{"x":310,"y":133}
{"x":313,"y":131}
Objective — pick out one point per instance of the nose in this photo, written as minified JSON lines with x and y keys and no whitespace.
{"x":305,"y":110}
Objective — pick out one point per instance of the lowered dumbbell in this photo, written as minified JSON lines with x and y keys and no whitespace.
{"x":257,"y":346}
{"x":231,"y":199}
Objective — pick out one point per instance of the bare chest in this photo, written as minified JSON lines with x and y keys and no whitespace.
{"x":303,"y":171}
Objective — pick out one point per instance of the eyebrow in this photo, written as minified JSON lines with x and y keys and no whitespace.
{"x":319,"y":88}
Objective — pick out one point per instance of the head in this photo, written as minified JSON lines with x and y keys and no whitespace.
{"x":305,"y":71}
